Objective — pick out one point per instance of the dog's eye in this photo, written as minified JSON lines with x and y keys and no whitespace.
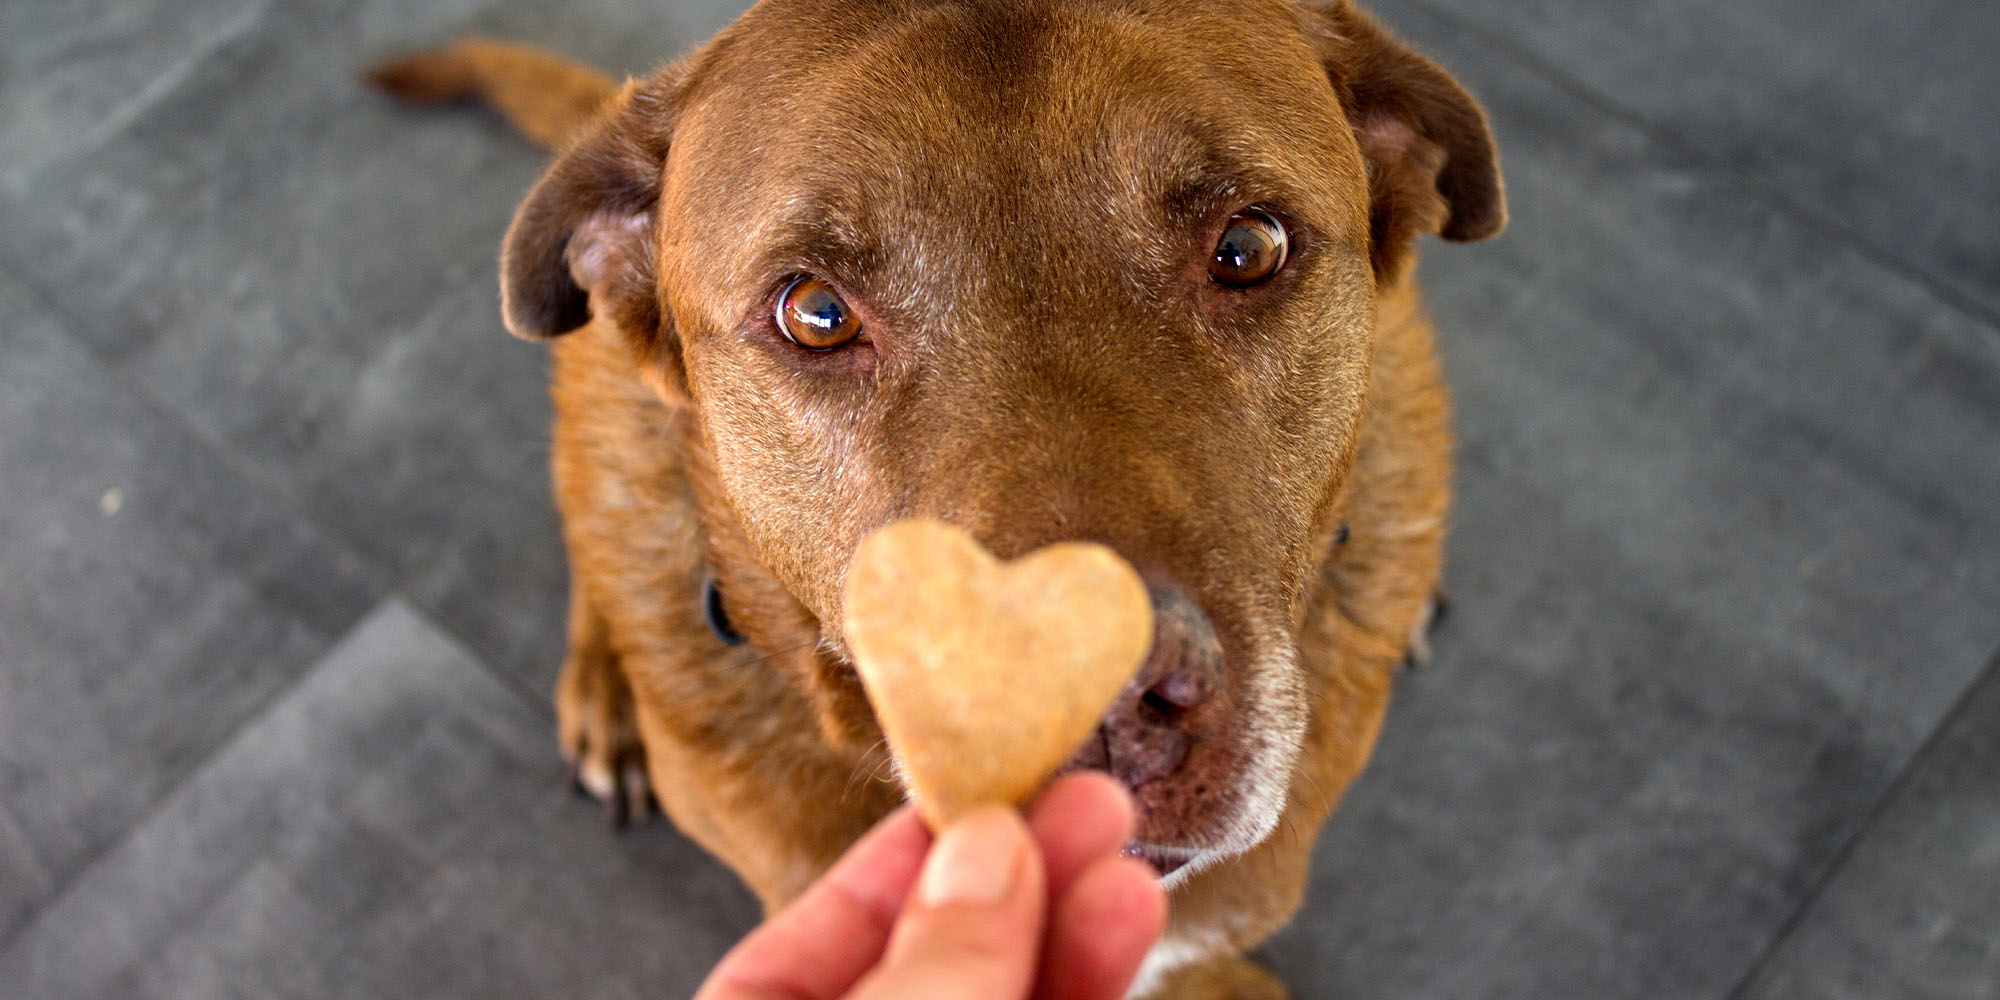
{"x":1251,"y":250}
{"x":813,"y":316}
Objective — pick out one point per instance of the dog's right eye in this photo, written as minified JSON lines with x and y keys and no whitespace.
{"x":812,"y":315}
{"x":1252,"y":248}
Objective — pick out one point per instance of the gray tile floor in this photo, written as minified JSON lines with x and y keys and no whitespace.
{"x":1718,"y":715}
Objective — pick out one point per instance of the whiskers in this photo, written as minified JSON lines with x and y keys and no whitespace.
{"x":876,"y":764}
{"x":768,"y":657}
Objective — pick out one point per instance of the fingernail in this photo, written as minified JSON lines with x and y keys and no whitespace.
{"x":975,"y":860}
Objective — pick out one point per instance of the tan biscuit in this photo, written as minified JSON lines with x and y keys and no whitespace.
{"x":987,"y":676}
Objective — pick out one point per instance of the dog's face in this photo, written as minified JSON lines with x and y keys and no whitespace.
{"x":1043,"y":270}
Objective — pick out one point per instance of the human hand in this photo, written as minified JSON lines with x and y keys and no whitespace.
{"x":996,"y":909}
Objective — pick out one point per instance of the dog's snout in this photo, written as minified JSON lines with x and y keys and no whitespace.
{"x":1147,"y":732}
{"x":1185,"y":664}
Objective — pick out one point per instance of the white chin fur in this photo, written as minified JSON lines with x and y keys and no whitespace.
{"x":1278,"y":727}
{"x":1170,"y":953}
{"x":1276,"y":712}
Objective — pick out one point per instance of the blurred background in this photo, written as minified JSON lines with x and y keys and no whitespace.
{"x":1715,"y":716}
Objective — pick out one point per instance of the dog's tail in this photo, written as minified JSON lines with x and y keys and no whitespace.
{"x":545,"y":96}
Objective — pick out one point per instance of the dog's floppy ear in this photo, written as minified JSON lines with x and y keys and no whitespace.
{"x":581,"y":244}
{"x":1432,"y":165}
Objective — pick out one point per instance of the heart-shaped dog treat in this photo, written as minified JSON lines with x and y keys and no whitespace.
{"x":986,"y":676}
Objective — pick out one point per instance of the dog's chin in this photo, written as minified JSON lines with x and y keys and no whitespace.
{"x":1178,"y":857}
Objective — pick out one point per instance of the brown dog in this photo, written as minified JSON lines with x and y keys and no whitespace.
{"x":1136,"y":271}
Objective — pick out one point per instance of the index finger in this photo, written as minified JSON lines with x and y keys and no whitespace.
{"x":820,"y":945}
{"x":1079,"y":819}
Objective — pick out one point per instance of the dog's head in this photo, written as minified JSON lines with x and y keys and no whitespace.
{"x":1046,"y":269}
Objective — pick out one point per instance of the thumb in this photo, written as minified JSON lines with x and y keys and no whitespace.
{"x":972,"y":929}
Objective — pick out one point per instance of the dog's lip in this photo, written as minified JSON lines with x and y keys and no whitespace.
{"x":1166,"y":859}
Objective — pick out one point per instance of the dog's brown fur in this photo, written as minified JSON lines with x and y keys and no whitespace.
{"x":1298,"y":468}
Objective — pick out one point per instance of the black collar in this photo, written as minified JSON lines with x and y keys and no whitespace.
{"x":716,"y":615}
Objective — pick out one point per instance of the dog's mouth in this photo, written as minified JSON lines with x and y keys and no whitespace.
{"x":1205,"y":751}
{"x":1165,"y":859}
{"x":1203,"y":737}
{"x":1169,"y":813}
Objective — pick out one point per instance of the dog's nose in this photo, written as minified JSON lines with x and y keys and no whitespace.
{"x":1145,"y":734}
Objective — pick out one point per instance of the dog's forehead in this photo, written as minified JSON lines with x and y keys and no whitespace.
{"x":828,"y":141}
{"x":956,"y":86}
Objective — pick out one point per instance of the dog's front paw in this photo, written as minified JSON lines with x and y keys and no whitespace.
{"x":600,"y":735}
{"x":1435,"y":610}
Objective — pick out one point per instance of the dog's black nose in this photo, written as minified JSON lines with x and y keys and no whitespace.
{"x":1145,"y":734}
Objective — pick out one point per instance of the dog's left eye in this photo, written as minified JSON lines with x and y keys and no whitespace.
{"x":1252,"y":248}
{"x":814,"y":316}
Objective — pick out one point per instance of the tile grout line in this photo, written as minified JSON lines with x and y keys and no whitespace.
{"x":1990,"y":673}
{"x":159,"y":804}
{"x":373,"y":576}
{"x":373,"y":573}
{"x":1883,"y":259}
{"x":277,"y":700}
{"x":1742,"y":180}
{"x":541,"y":703}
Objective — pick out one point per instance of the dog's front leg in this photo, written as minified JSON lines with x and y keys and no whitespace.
{"x":594,"y":716}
